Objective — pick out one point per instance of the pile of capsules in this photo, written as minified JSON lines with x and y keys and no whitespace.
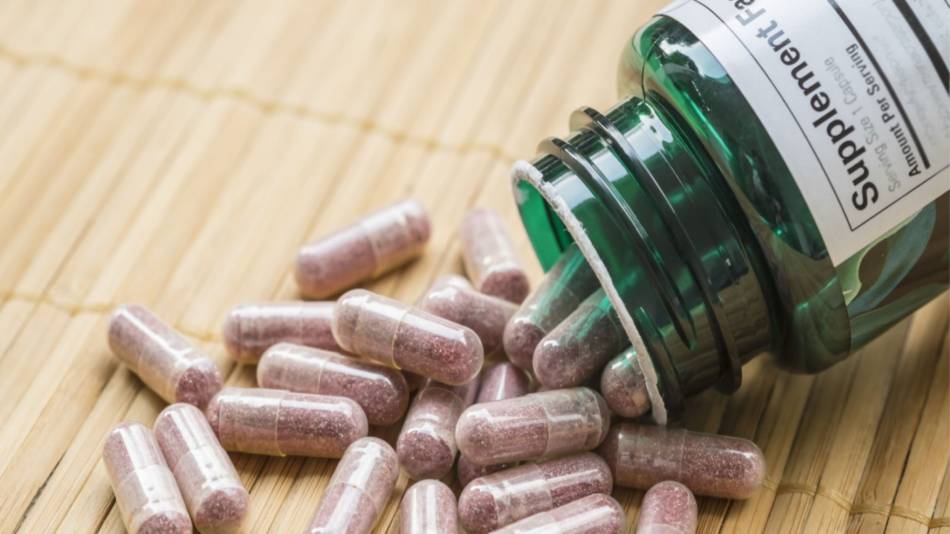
{"x":526,"y":462}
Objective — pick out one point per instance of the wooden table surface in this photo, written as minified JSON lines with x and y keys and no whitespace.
{"x":176,"y":154}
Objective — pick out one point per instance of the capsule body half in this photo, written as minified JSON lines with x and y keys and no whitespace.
{"x":428,"y":507}
{"x":381,"y":391}
{"x":283,"y":423}
{"x":534,"y":426}
{"x":708,"y":464}
{"x":167,"y":362}
{"x":213,"y":492}
{"x":358,"y":490}
{"x":667,"y":508}
{"x":501,"y":498}
{"x":453,"y":298}
{"x":594,"y":514}
{"x":145,"y":489}
{"x":251,"y":329}
{"x":396,"y":334}
{"x":426,"y":443}
{"x":377,"y":243}
{"x":489,"y":256}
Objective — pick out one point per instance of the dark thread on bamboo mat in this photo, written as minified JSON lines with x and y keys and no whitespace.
{"x":266,"y":106}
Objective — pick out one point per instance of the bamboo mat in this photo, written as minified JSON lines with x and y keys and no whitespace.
{"x":177,"y":153}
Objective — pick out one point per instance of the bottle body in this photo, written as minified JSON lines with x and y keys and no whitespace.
{"x":683,"y":201}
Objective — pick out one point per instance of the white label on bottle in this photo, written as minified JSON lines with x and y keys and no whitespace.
{"x":854,"y":93}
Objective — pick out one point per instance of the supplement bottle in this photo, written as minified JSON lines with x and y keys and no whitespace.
{"x":774,"y":180}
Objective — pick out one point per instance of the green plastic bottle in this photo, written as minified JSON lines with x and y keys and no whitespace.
{"x":775,"y":179}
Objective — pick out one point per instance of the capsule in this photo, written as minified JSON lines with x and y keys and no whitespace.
{"x":426,"y":443}
{"x":283,"y":423}
{"x":167,"y":362}
{"x":503,"y":381}
{"x":623,"y":386}
{"x":491,"y":502}
{"x":370,"y":247}
{"x":453,"y":297}
{"x":380,"y":391}
{"x":535,"y":426}
{"x":667,"y":508}
{"x":358,"y":490}
{"x":250,"y":329}
{"x":563,"y":289}
{"x":708,"y":464}
{"x":489,"y":256}
{"x":213,"y":492}
{"x":144,"y":487}
{"x":594,"y":514}
{"x":428,"y":507}
{"x":499,"y":382}
{"x":396,"y":334}
{"x":579,"y":347}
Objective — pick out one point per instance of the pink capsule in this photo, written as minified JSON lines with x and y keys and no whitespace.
{"x":213,"y":492}
{"x":563,"y":289}
{"x":623,"y":386}
{"x":594,"y":514}
{"x":428,"y":507}
{"x":381,"y":391}
{"x":358,"y":490}
{"x":491,"y":502}
{"x":426,"y":443}
{"x":579,"y":347}
{"x":167,"y":362}
{"x":283,"y":423}
{"x":452,"y":297}
{"x":145,"y":490}
{"x":503,"y":381}
{"x":396,"y":334}
{"x":251,"y":328}
{"x":708,"y":464}
{"x":499,"y":382}
{"x":490,"y":258}
{"x":376,"y":244}
{"x":667,"y":508}
{"x":535,"y":426}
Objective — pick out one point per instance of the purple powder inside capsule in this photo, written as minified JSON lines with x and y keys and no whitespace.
{"x":667,"y":508}
{"x":624,"y":387}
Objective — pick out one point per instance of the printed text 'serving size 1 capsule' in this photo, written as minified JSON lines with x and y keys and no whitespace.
{"x":499,"y":382}
{"x":379,"y":242}
{"x":581,"y":345}
{"x":213,"y":492}
{"x":504,"y":497}
{"x":428,"y":507}
{"x":251,"y":328}
{"x":489,"y":257}
{"x":453,"y":297}
{"x":145,"y":489}
{"x":594,"y":514}
{"x":167,"y":362}
{"x":406,"y":338}
{"x":357,"y":493}
{"x":667,"y":508}
{"x":283,"y":423}
{"x":708,"y":464}
{"x":534,"y":426}
{"x":381,"y":391}
{"x":426,"y":443}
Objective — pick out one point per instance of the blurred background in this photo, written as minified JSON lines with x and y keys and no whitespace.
{"x":176,"y":153}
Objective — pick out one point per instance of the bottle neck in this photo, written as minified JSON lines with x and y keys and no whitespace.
{"x":652,"y":216}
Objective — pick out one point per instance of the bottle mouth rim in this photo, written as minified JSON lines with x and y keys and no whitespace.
{"x":528,"y":181}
